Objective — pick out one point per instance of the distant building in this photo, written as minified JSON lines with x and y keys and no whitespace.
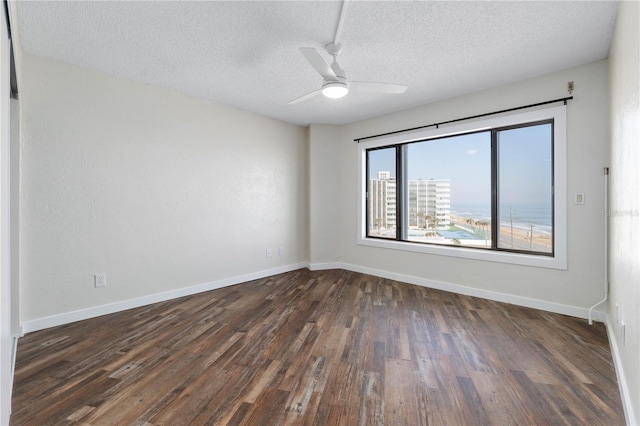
{"x":384,"y":175}
{"x":429,"y":203}
{"x":382,"y":207}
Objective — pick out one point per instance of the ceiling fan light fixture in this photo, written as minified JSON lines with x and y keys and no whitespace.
{"x":335,"y":89}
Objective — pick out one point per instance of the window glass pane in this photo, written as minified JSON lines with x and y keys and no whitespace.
{"x":525,"y":198}
{"x":381,"y":188}
{"x":449,"y":191}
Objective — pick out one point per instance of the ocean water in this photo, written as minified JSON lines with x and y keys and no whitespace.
{"x":524,"y":215}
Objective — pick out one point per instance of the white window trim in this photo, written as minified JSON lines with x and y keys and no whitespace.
{"x":558,"y":261}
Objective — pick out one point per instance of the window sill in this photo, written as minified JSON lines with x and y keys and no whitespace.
{"x":557,"y":262}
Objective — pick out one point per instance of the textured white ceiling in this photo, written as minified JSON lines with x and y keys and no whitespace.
{"x":245,"y":53}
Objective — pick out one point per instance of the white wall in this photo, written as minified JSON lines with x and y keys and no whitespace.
{"x":571,"y":291}
{"x":5,"y":276}
{"x":157,"y":190}
{"x":325,"y":176}
{"x":15,"y":217}
{"x":624,"y":239}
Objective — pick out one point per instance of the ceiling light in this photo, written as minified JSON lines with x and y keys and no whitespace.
{"x":335,"y":89}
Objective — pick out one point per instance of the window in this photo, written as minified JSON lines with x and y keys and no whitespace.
{"x":525,"y":188}
{"x":382,"y":209}
{"x":492,"y":190}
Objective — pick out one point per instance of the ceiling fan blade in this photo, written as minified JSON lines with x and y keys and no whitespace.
{"x":367,"y":86}
{"x":318,"y":63}
{"x":305,"y":97}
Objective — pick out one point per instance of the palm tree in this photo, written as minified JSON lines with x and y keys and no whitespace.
{"x":484,"y":225}
{"x":429,"y":220}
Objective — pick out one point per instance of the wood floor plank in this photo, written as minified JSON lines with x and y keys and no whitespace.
{"x":399,"y":393}
{"x":500,"y":405}
{"x":316,"y":348}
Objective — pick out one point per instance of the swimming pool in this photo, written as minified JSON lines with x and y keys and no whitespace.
{"x":459,"y":235}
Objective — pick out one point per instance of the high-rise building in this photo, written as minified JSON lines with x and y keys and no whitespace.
{"x":439,"y":202}
{"x":382,"y":203}
{"x":428,"y":202}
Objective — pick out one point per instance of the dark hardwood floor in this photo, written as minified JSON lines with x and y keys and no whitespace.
{"x":327,"y":347}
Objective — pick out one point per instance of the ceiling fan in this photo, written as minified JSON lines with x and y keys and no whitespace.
{"x":335,"y":83}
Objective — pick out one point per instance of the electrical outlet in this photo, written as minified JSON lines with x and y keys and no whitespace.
{"x":267,"y":252}
{"x":280,"y":251}
{"x":100,"y":280}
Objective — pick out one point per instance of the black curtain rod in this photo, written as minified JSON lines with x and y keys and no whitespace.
{"x":6,"y":16}
{"x":466,"y":118}
{"x":13,"y":81}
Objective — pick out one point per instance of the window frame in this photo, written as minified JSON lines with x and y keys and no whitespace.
{"x":556,"y":260}
{"x":368,"y":191}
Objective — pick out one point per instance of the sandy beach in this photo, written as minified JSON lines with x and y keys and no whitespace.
{"x":521,"y":237}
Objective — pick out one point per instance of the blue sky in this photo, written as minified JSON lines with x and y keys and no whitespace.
{"x":524,"y":165}
{"x":525,"y":173}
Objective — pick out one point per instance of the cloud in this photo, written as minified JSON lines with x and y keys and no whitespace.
{"x":472,"y":151}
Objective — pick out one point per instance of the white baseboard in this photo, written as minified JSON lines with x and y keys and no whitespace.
{"x":327,"y":265}
{"x":629,"y":415}
{"x":82,"y":314}
{"x":544,"y":305}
